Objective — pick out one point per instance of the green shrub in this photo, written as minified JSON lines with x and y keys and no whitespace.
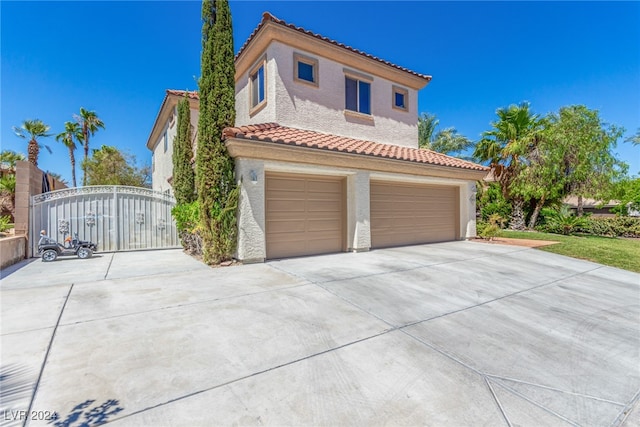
{"x":619,"y":226}
{"x":187,"y":216}
{"x":489,"y":230}
{"x":5,"y":223}
{"x":491,"y":201}
{"x":561,"y":221}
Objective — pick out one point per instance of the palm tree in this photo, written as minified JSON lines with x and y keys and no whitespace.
{"x":506,"y":147}
{"x":447,"y":141}
{"x":34,"y":129}
{"x":90,"y":124}
{"x":72,"y":133}
{"x":635,"y":139}
{"x":9,"y":158}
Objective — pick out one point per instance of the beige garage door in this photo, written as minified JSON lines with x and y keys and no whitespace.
{"x":407,"y":214}
{"x":304,"y":215}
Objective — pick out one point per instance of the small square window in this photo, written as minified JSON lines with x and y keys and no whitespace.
{"x":400,"y":98}
{"x":305,"y":69}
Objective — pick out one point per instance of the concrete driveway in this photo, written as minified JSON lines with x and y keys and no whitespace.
{"x":460,"y":334}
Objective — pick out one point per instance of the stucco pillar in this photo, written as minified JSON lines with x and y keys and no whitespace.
{"x":358,"y":212}
{"x":251,"y":214}
{"x":468,"y":210}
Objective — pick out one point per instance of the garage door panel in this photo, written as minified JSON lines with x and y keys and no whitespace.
{"x":305,"y":218}
{"x":323,"y":225}
{"x":287,"y":226}
{"x":324,"y":186}
{"x":405,"y":214}
{"x":333,"y":206}
{"x":285,"y":206}
{"x":286,"y":184}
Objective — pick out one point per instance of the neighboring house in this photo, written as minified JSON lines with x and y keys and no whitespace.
{"x":595,"y":207}
{"x":326,"y":151}
{"x":591,"y":206}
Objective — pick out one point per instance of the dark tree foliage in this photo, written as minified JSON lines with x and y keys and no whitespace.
{"x":217,"y":192}
{"x":183,"y":174}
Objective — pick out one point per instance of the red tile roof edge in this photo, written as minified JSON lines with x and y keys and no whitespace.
{"x":351,"y":146}
{"x":268,"y":17}
{"x":193,"y":94}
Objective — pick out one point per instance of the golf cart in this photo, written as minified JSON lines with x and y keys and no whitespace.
{"x":50,"y":249}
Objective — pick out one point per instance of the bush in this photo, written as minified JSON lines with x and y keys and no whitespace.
{"x":489,"y":230}
{"x":561,"y":221}
{"x":5,"y":223}
{"x":187,"y":216}
{"x":620,"y":226}
{"x":491,"y":201}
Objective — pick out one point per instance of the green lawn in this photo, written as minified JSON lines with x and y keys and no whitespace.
{"x":621,"y":253}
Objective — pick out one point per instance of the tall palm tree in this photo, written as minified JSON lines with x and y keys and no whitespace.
{"x":506,"y":146}
{"x":33,"y":129}
{"x":90,"y":124}
{"x":446,"y":141}
{"x":72,"y":133}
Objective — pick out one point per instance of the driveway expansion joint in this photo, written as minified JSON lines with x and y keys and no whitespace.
{"x":626,"y":411}
{"x":245,"y":377}
{"x":187,"y":304}
{"x":46,"y":356}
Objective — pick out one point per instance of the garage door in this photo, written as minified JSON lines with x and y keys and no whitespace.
{"x":407,"y":214}
{"x":304,"y":215}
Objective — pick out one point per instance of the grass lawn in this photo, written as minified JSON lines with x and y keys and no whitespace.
{"x":621,"y":253}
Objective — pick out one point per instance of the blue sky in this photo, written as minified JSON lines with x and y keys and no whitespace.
{"x":117,"y":58}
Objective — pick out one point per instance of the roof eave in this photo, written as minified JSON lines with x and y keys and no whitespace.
{"x":168,"y":104}
{"x":271,"y":29}
{"x":257,"y":149}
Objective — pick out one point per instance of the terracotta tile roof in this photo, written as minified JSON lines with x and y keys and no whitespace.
{"x":273,"y":132}
{"x":267,"y":17}
{"x":192,"y":94}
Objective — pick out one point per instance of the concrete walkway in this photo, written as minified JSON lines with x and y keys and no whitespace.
{"x":459,"y":334}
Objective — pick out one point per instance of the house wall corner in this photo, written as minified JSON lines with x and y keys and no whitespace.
{"x":250,"y":177}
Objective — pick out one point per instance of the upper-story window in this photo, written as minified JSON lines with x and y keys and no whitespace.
{"x":166,"y":141}
{"x":357,"y":89}
{"x":257,"y":88}
{"x":400,"y":99}
{"x":305,"y":69}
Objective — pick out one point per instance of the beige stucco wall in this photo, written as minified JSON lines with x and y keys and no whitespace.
{"x":28,"y":184}
{"x":299,"y":105}
{"x":251,"y":211}
{"x":12,"y":250}
{"x":251,"y":218}
{"x":163,"y":160}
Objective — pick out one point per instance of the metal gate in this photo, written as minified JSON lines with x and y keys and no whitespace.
{"x":116,"y":218}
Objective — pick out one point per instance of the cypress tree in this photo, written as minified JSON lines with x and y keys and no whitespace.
{"x":217,"y":192}
{"x":183,"y":175}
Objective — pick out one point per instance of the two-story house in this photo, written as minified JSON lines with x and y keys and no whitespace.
{"x":326,"y":151}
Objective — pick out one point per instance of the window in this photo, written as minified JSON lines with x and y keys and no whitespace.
{"x":257,"y":89}
{"x":166,"y":141}
{"x":357,"y":95}
{"x":172,"y":119}
{"x":400,"y":99}
{"x":305,"y":69}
